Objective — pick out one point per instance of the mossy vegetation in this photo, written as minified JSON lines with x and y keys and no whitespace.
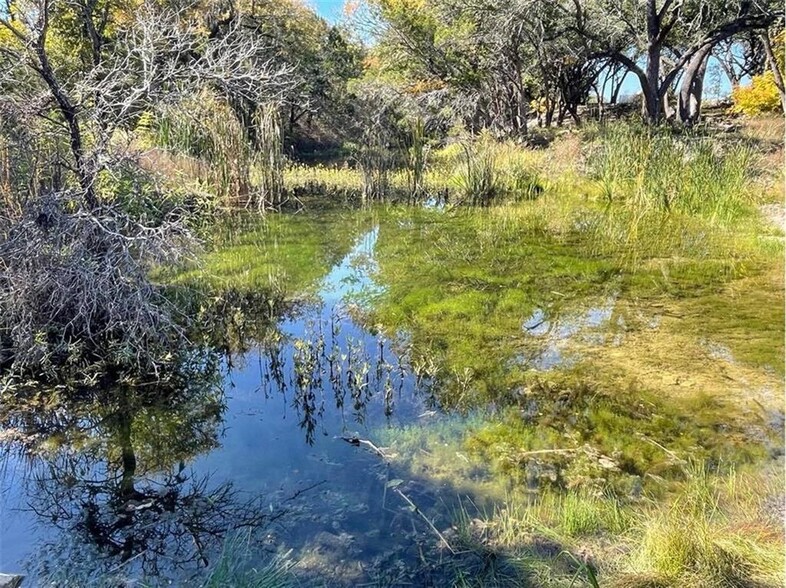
{"x":615,"y":347}
{"x":286,"y":254}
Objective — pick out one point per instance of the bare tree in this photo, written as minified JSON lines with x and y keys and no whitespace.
{"x":74,"y":266}
{"x":159,"y":57}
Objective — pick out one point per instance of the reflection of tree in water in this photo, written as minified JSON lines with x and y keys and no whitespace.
{"x":328,"y":365}
{"x":106,"y":471}
{"x":108,"y":475}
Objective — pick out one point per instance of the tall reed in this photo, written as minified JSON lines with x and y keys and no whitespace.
{"x":416,"y":161}
{"x":376,"y":162}
{"x":270,"y":158}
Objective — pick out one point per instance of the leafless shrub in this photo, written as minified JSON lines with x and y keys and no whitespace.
{"x":75,"y":290}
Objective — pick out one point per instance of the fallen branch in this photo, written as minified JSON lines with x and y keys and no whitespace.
{"x":356,"y":441}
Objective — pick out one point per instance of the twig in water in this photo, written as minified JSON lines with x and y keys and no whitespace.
{"x":425,"y":518}
{"x":357,"y":442}
{"x":306,"y":489}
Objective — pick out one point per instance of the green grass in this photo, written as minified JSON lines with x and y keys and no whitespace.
{"x":656,"y":169}
{"x":703,"y":533}
{"x":696,"y":540}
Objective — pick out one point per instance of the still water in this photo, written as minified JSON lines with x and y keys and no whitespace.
{"x":409,"y":382}
{"x":271,"y":452}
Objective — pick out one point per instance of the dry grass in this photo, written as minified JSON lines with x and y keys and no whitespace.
{"x":764,"y":128}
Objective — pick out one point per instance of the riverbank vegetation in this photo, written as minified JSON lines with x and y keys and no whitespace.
{"x":581,"y":293}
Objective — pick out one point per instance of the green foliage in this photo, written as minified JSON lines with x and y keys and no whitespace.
{"x":477,"y":180}
{"x":323,"y":57}
{"x":234,"y":568}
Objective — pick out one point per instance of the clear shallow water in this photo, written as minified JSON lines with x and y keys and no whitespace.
{"x":155,"y":490}
{"x":153,"y":481}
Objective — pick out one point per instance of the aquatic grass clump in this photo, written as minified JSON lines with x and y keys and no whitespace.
{"x":240,"y":160}
{"x":477,"y":180}
{"x":657,"y":170}
{"x":486,"y":171}
{"x":697,"y":540}
{"x":578,"y":513}
{"x":416,"y":160}
{"x":234,"y":567}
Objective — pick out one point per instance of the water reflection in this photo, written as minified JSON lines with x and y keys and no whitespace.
{"x":107,"y":479}
{"x":150,"y":480}
{"x":550,"y":334}
{"x":142,"y":479}
{"x":330,"y":364}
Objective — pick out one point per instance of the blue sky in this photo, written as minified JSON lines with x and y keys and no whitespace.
{"x":328,"y":9}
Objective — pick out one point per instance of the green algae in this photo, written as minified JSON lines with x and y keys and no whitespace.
{"x":285,"y":253}
{"x":464,"y":285}
{"x":483,"y":296}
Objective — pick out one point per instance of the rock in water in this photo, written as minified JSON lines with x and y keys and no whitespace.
{"x":11,"y":580}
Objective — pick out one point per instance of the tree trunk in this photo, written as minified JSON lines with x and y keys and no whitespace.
{"x":83,"y":169}
{"x":651,"y":91}
{"x":776,"y":72}
{"x":692,"y":88}
{"x":615,"y":92}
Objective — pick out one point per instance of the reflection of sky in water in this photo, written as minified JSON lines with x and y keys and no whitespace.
{"x":263,"y":449}
{"x":354,"y":275}
{"x":551,"y":335}
{"x":16,"y":528}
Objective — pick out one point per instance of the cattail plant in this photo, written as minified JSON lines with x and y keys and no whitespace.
{"x":416,"y":160}
{"x":376,"y":162}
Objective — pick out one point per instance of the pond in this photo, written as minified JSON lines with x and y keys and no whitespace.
{"x":344,"y":436}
